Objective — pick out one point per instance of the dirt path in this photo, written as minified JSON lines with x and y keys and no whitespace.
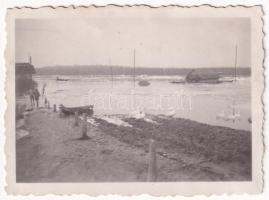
{"x":53,"y":153}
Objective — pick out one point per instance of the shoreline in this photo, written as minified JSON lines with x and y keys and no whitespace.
{"x":186,"y":150}
{"x":160,"y":97}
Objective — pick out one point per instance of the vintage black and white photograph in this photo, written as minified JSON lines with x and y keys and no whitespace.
{"x":124,"y":96}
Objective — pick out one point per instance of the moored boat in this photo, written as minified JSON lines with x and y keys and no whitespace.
{"x":143,"y":83}
{"x":178,"y":82}
{"x":80,"y":110}
{"x":61,"y":79}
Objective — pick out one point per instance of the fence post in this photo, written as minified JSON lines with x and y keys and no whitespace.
{"x":152,"y":167}
{"x":54,"y":107}
{"x":84,"y":127}
{"x":45,"y":102}
{"x":61,"y":110}
{"x":76,"y":119}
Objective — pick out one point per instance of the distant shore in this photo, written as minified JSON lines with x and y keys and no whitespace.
{"x":186,"y":150}
{"x":140,"y":70}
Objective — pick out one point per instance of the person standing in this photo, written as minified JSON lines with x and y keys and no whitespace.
{"x":43,"y":89}
{"x":32,"y":98}
{"x":36,"y":96}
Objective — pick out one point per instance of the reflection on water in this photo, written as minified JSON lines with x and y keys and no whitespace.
{"x":206,"y":103}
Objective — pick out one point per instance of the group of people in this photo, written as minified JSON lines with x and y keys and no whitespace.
{"x":34,"y":95}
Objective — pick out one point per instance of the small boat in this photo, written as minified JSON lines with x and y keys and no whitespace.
{"x":61,"y":79}
{"x":178,"y":82}
{"x":211,"y":81}
{"x":138,"y":114}
{"x":234,"y":117}
{"x":143,"y":83}
{"x":231,"y":117}
{"x":227,"y":81}
{"x":171,"y":112}
{"x":80,"y":110}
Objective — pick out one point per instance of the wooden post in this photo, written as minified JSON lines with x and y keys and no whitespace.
{"x":76,"y":119}
{"x":84,"y":127}
{"x":152,"y":167}
{"x":54,"y":108}
{"x":48,"y":105}
{"x":45,"y":102}
{"x":61,"y":114}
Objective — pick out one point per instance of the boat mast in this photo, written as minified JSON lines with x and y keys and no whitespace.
{"x":235,"y":63}
{"x":235,"y":74}
{"x":30,"y":57}
{"x":111,"y":74}
{"x":134,"y":69}
{"x":163,"y":71}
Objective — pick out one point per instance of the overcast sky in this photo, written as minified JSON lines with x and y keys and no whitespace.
{"x":189,"y":42}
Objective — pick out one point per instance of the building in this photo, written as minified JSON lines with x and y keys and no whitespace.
{"x":23,"y":77}
{"x":24,"y":70}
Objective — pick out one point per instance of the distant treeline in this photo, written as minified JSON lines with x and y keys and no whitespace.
{"x":121,"y":70}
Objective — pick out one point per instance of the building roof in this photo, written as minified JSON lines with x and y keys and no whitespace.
{"x":24,"y":68}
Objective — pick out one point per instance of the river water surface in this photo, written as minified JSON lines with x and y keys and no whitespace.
{"x":226,"y":104}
